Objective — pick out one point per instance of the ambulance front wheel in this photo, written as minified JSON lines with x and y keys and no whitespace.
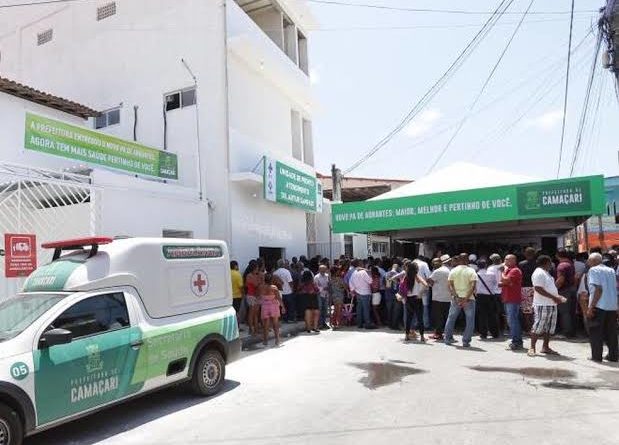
{"x":11,"y":428}
{"x":210,"y":373}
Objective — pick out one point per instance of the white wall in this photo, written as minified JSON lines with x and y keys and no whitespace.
{"x":260,"y":223}
{"x":12,"y":128}
{"x":133,"y":59}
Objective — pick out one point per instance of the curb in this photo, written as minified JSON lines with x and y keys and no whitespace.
{"x":285,"y":331}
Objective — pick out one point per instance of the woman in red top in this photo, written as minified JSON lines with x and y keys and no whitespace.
{"x":253,"y":280}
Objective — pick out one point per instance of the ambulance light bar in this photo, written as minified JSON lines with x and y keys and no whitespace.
{"x":77,"y":244}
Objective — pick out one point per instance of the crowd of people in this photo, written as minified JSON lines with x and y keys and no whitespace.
{"x":494,"y":296}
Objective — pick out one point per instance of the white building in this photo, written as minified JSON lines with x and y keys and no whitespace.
{"x":219,"y":83}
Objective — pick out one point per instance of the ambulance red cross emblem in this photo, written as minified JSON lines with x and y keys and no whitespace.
{"x":199,"y":283}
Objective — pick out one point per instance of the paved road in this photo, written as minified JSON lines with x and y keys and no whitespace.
{"x":369,"y":387}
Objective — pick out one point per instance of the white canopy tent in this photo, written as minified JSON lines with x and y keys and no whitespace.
{"x":457,"y":176}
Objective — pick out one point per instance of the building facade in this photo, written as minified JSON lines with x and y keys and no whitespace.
{"x":220,"y":84}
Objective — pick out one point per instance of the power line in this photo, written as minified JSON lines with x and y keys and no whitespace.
{"x":43,"y":2}
{"x":438,"y":85}
{"x":440,"y":11}
{"x":483,"y":88}
{"x":567,"y":89}
{"x":585,"y":108}
{"x":441,"y":26}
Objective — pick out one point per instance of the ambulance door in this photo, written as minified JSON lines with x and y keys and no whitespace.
{"x":95,"y":367}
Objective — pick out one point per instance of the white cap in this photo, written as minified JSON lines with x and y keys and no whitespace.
{"x":472,"y":258}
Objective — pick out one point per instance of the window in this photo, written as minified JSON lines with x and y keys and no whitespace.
{"x":106,"y":11}
{"x":94,"y":315}
{"x":303,"y":59}
{"x":180,"y":99}
{"x":308,"y":144}
{"x":17,"y":313}
{"x":45,"y":36}
{"x":108,"y":118}
{"x":296,"y":131}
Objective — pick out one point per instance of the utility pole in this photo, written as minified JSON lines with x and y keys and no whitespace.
{"x":336,"y":188}
{"x":336,"y":196}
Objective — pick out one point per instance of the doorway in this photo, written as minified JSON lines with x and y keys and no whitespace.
{"x":271,"y":255}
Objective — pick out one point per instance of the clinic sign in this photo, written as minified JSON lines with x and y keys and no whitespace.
{"x":72,"y":142}
{"x":549,"y":199}
{"x":20,"y":254}
{"x":286,"y":185}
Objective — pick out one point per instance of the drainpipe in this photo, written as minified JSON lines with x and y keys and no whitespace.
{"x":199,"y":151}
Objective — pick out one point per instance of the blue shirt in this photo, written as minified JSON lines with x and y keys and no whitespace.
{"x":604,"y":277}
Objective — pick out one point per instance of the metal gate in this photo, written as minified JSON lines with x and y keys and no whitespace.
{"x":51,"y":205}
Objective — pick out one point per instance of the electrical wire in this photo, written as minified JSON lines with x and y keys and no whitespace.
{"x":567,"y":89}
{"x":544,"y":90}
{"x":585,"y":108}
{"x":43,"y":2}
{"x":441,"y":26}
{"x":482,"y":90}
{"x":440,"y":11}
{"x":438,"y":85}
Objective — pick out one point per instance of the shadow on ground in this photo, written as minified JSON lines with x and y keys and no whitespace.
{"x":125,"y":417}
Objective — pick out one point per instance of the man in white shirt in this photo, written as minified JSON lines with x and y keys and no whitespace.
{"x":496,"y":267}
{"x":285,"y":277}
{"x":322,"y":283}
{"x":487,"y":315}
{"x":441,"y":295}
{"x":361,"y":286}
{"x":424,"y":272}
{"x":545,"y":300}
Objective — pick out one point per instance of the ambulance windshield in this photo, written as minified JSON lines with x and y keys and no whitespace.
{"x":19,"y":312}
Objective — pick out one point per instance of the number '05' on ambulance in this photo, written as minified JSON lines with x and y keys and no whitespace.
{"x":109,"y":320}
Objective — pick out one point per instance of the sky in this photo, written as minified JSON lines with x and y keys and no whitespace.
{"x":370,"y":66}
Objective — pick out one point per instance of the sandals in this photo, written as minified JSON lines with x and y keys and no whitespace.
{"x":531,"y":352}
{"x":550,"y":352}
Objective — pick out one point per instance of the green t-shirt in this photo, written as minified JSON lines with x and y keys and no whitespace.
{"x":463,"y":278}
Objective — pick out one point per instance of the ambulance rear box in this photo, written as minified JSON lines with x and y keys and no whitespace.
{"x":108,"y":320}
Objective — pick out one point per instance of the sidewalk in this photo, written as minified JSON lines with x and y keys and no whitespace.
{"x":286,"y":330}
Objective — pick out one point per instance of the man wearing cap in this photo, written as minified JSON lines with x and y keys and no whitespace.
{"x":473,"y":262}
{"x":496,"y":268}
{"x":441,"y":295}
{"x":487,"y":319}
{"x":462,"y":280}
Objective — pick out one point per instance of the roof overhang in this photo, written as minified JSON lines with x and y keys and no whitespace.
{"x":494,"y":231}
{"x":28,"y":93}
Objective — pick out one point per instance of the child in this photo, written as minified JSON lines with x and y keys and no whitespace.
{"x":271,"y":302}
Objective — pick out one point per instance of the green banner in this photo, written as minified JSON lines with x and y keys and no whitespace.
{"x":69,"y":141}
{"x":549,"y":199}
{"x":286,"y":185}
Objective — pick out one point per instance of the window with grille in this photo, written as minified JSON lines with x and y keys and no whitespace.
{"x":108,"y":118}
{"x":45,"y":37}
{"x":106,"y":11}
{"x":180,"y":99}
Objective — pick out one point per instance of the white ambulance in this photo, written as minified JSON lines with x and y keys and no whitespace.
{"x":111,"y":320}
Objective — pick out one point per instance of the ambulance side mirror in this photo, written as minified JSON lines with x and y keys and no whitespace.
{"x":55,"y":337}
